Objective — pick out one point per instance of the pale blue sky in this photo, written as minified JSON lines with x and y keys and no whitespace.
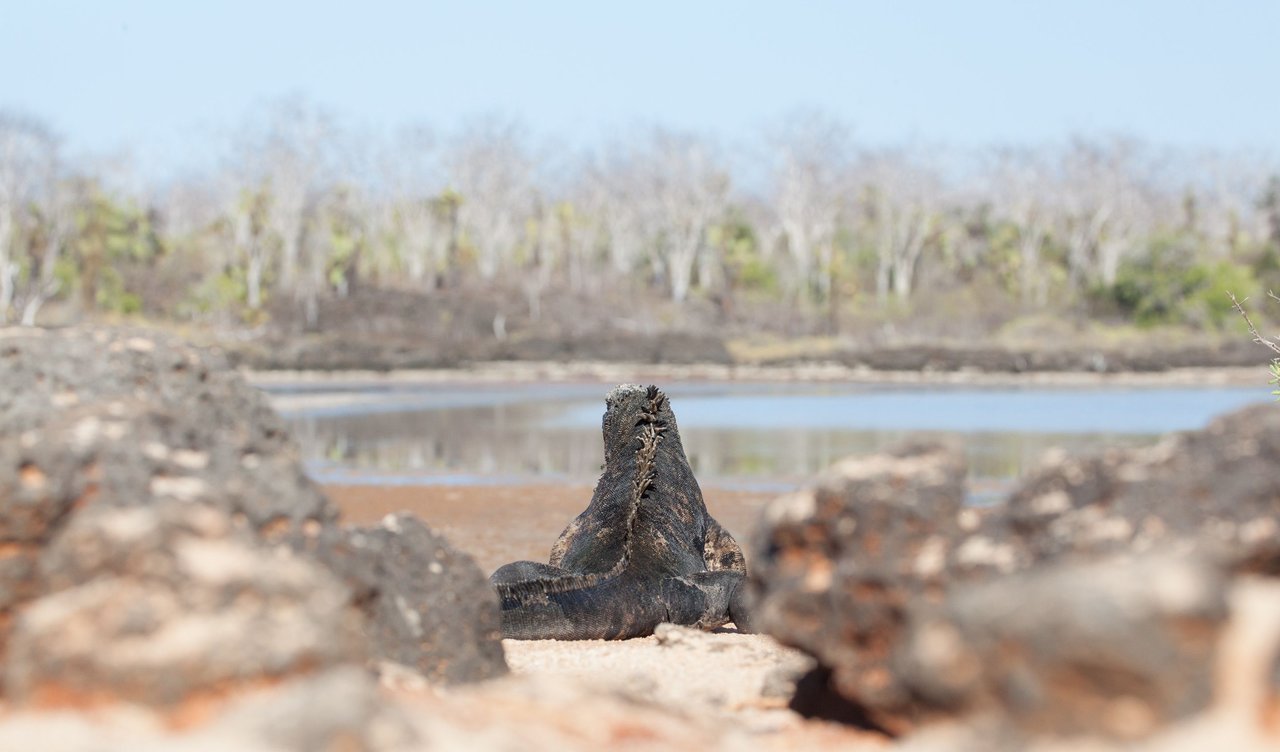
{"x":164,"y":76}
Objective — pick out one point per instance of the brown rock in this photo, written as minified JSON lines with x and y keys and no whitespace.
{"x":1117,"y":648}
{"x":131,"y":452}
{"x":118,"y":418}
{"x":906,"y":598}
{"x":838,"y":565}
{"x":169,"y":604}
{"x":98,"y":419}
{"x":43,"y":372}
{"x":1216,"y":489}
{"x":428,"y":605}
{"x":332,"y":710}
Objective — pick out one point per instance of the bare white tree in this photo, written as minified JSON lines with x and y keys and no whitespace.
{"x":812,"y":160}
{"x":1103,"y":205}
{"x":612,"y":193}
{"x":192,"y":205}
{"x":414,"y":207}
{"x":684,"y":189}
{"x":29,"y":177}
{"x":58,"y":227}
{"x":904,"y":199}
{"x":292,"y":157}
{"x":577,"y":229}
{"x":252,"y":244}
{"x":491,"y":169}
{"x":1019,"y":186}
{"x":1228,"y":190}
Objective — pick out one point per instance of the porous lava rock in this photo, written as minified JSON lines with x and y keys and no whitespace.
{"x":130,"y":418}
{"x":427,"y":604}
{"x":44,"y":371}
{"x":1097,"y":585}
{"x":1112,"y":648}
{"x":169,"y":604}
{"x":114,"y":420}
{"x":67,"y":395}
{"x":1216,"y":489}
{"x":838,"y":565}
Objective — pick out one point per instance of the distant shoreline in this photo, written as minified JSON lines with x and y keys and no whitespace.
{"x":523,"y":372}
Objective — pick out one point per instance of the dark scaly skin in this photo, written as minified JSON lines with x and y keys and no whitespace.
{"x":645,"y":551}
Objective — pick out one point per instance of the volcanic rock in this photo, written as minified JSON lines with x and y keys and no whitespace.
{"x":839,"y":564}
{"x":168,"y":604}
{"x":428,"y":605}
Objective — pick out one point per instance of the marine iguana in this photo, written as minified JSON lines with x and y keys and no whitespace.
{"x":645,"y":550}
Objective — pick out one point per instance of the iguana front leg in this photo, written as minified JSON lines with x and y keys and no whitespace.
{"x":720,"y":551}
{"x":708,"y":600}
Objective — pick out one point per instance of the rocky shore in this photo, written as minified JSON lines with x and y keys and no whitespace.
{"x":508,"y":372}
{"x":384,"y":353}
{"x":171,"y":579}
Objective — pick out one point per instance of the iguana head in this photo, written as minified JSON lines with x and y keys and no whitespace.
{"x":629,"y":407}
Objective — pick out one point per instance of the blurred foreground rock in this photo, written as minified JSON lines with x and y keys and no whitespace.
{"x":168,"y":604}
{"x":1114,"y":648}
{"x":123,"y":418}
{"x":427,"y":605}
{"x":337,"y":709}
{"x":343,"y":709}
{"x":43,"y":372}
{"x":840,"y":563}
{"x":111,"y":418}
{"x":1090,"y":605}
{"x":162,"y":549}
{"x":1240,"y":718}
{"x":1216,"y":489}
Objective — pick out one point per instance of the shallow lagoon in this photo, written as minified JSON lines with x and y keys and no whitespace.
{"x":737,"y":435}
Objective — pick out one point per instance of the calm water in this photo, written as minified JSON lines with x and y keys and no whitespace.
{"x":737,"y":435}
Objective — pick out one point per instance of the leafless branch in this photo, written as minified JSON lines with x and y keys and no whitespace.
{"x":1257,"y":337}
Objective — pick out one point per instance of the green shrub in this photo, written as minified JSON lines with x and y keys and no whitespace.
{"x":111,"y":295}
{"x":1169,"y":285}
{"x":218,"y":293}
{"x":1209,"y":298}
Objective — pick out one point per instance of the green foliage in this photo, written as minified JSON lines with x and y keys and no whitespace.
{"x":114,"y":244}
{"x":1168,"y":285}
{"x":1275,"y":379}
{"x":67,"y":272}
{"x":740,"y":254}
{"x":112,"y":297}
{"x":1265,"y":264}
{"x":215,"y":293}
{"x":755,"y":274}
{"x":343,"y":250}
{"x":1214,"y":281}
{"x":124,"y":231}
{"x":1002,"y":259}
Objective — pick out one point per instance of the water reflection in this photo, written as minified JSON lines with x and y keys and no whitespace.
{"x":765,"y":436}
